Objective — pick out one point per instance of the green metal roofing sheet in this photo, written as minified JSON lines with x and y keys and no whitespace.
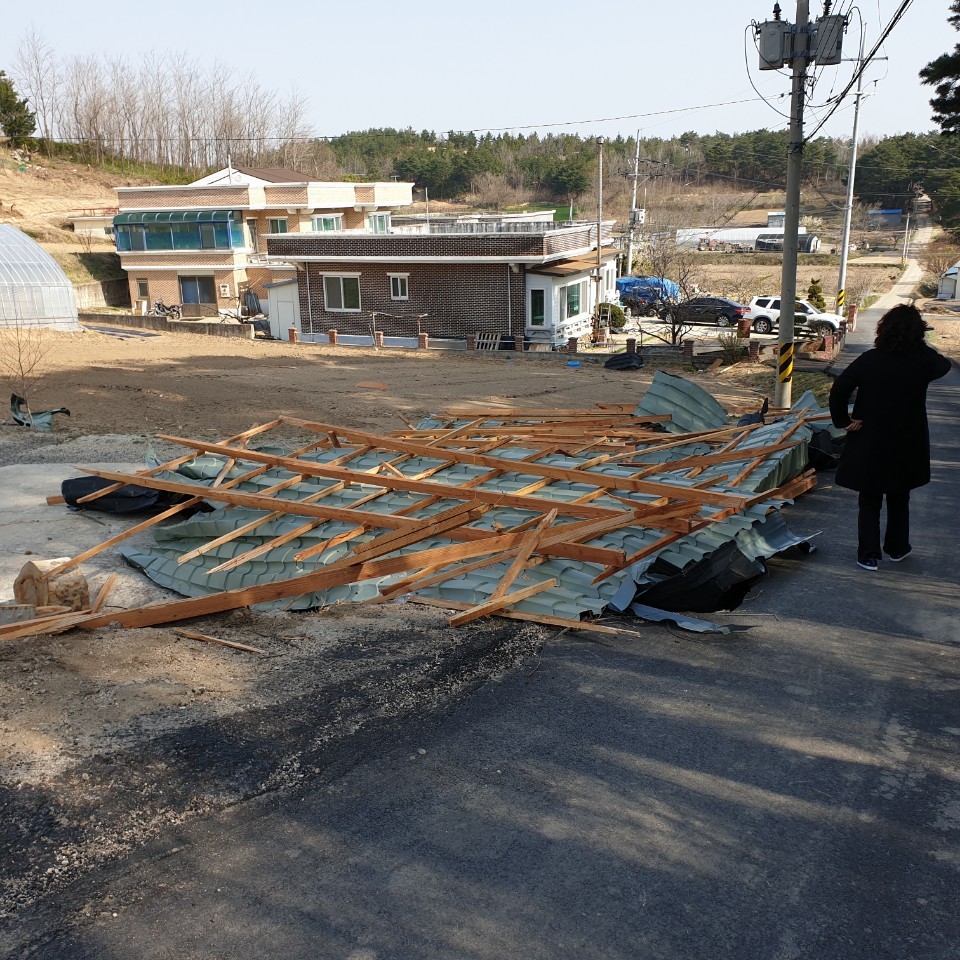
{"x":690,"y":406}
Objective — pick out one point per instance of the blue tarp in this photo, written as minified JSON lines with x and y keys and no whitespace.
{"x":647,"y":288}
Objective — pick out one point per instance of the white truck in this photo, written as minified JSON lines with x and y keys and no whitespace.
{"x":764,"y":316}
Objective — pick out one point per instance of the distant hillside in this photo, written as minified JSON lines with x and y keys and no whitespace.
{"x":38,"y":195}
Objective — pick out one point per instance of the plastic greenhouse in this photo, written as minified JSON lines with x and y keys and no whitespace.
{"x":33,"y":288}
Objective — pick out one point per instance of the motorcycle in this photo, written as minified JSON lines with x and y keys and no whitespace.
{"x":171,"y":312}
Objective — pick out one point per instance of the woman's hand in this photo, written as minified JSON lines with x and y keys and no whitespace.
{"x":853,"y":426}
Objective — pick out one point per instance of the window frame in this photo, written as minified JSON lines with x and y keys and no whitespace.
{"x":398,"y":281}
{"x":341,"y":277}
{"x":542,"y":321}
{"x":143,"y":288}
{"x":336,"y":218}
{"x":273,"y":224}
{"x":379,"y":223}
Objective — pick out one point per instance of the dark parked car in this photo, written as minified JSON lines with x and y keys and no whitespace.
{"x":718,"y":310}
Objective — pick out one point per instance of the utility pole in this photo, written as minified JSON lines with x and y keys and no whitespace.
{"x":628,"y":266}
{"x":779,"y":43}
{"x":596,"y":312}
{"x":791,"y":223}
{"x":906,"y":239}
{"x":637,"y":217}
{"x":848,"y":211}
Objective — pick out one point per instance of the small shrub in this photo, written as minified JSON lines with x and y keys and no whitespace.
{"x":618,"y":319}
{"x":732,"y":345}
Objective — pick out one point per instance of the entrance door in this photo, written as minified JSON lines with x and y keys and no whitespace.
{"x":198,"y":290}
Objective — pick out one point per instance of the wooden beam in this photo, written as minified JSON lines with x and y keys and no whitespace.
{"x":562,"y":623}
{"x":434,"y":489}
{"x":494,"y":463}
{"x":336,"y":574}
{"x":523,"y":555}
{"x":498,"y":603}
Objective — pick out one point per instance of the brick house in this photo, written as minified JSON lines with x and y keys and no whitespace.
{"x":202,"y":244}
{"x":451,"y":278}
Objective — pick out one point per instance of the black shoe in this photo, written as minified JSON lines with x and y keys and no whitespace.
{"x":897,"y":557}
{"x":868,"y":563}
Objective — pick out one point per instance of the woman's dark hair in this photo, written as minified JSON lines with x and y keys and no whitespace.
{"x":900,"y":329}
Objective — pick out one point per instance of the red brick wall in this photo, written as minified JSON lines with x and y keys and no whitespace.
{"x":459,"y":300}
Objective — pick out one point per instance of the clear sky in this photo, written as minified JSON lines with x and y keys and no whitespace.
{"x":508,"y":63}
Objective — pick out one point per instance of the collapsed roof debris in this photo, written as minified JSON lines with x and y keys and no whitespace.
{"x":549,"y":516}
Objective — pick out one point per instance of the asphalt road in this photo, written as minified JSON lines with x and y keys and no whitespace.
{"x":788,"y":791}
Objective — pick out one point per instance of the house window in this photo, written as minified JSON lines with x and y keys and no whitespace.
{"x":197,"y":290}
{"x":537,"y":308}
{"x":379,"y":222}
{"x":278,"y":224}
{"x":399,"y":288}
{"x":570,"y":300}
{"x":341,"y":293}
{"x":329,"y":221}
{"x":143,"y":288}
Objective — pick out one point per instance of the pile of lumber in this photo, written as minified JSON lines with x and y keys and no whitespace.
{"x":553,"y":508}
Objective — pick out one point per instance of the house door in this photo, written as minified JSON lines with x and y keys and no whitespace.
{"x":285,"y":317}
{"x":284,"y":310}
{"x":197,"y":290}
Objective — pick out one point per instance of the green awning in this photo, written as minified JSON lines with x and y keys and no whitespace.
{"x":180,"y":216}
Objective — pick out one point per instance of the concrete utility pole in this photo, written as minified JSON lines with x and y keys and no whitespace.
{"x":848,"y":210}
{"x":628,"y":266}
{"x":791,"y":223}
{"x":599,"y":298}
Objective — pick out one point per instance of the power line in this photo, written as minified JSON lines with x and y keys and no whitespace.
{"x":894,"y":20}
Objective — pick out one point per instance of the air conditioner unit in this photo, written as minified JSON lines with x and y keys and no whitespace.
{"x":774,"y":43}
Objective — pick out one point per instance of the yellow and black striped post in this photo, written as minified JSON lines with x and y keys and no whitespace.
{"x":841,"y":300}
{"x":785,"y":364}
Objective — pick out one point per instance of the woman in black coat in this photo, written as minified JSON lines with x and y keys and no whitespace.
{"x":887,"y":451}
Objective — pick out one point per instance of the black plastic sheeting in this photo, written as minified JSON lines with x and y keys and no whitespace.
{"x":128,"y":499}
{"x":624,"y":361}
{"x":719,"y":581}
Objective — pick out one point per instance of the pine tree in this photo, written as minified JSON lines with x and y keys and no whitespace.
{"x":16,"y":120}
{"x":943,"y":74}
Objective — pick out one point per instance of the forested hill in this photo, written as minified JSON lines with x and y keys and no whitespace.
{"x":890,"y":172}
{"x":561,"y":165}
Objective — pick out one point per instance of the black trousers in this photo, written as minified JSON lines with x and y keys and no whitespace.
{"x":896,"y":539}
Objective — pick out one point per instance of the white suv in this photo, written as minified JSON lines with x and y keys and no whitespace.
{"x":764,"y":315}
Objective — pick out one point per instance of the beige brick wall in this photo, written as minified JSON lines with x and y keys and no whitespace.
{"x":220,"y":198}
{"x":290,"y":196}
{"x":165,"y":285}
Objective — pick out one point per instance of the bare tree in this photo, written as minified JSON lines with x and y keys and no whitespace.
{"x":38,"y":76}
{"x":23,"y":353}
{"x":938,"y":258}
{"x":492,"y":190}
{"x":742,"y":285}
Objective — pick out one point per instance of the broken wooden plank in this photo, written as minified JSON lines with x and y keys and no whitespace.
{"x":337,"y":574}
{"x":563,"y":623}
{"x":192,"y":635}
{"x":523,"y":555}
{"x":102,"y":594}
{"x":494,"y":604}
